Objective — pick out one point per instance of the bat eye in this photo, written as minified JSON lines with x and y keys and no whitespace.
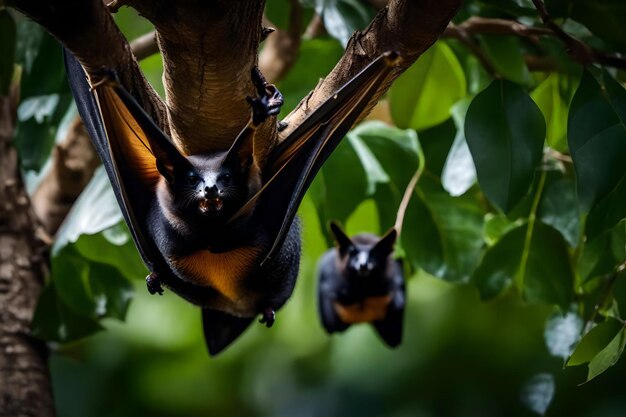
{"x":193,"y":180}
{"x":226,"y":178}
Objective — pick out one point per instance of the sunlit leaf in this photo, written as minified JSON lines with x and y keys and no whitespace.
{"x":95,"y":210}
{"x":423,"y":96}
{"x":505,"y":132}
{"x":459,"y":172}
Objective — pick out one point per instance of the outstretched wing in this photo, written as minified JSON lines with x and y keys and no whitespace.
{"x":123,"y":145}
{"x":296,"y":160}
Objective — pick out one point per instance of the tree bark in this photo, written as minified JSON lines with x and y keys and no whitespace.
{"x":25,"y":388}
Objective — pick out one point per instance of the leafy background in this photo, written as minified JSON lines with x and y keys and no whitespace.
{"x":514,"y":239}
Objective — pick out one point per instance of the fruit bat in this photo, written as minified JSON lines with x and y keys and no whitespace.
{"x":216,"y":228}
{"x":361,"y":282}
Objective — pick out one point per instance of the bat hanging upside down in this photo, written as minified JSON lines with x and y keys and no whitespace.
{"x":216,"y":228}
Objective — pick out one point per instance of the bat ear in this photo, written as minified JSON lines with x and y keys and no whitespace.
{"x":341,"y":238}
{"x":384,"y":246}
{"x":241,"y":151}
{"x":170,"y":162}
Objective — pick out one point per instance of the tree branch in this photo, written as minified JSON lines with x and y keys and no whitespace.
{"x":409,"y":27}
{"x":25,"y":381}
{"x":578,"y":51}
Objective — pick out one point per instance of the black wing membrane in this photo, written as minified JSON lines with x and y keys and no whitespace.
{"x":297,"y":159}
{"x":123,"y":147}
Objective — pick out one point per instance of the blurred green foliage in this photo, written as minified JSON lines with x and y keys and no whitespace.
{"x":515,"y":240}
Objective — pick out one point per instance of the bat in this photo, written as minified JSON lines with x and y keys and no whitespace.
{"x":361,"y":282}
{"x":216,"y":228}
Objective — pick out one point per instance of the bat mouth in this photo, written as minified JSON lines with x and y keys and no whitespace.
{"x":208,"y":205}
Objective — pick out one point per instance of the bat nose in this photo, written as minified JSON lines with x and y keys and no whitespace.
{"x":211,"y":191}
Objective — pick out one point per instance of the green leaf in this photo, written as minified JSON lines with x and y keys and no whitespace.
{"x":548,"y":275}
{"x":607,"y":356}
{"x":55,"y":321}
{"x":605,"y":18}
{"x":315,"y":60}
{"x":548,"y":97}
{"x":423,"y":96}
{"x":597,"y":137}
{"x":459,"y":172}
{"x":602,"y":254}
{"x":110,"y":290}
{"x":95,"y":210}
{"x":459,"y":224}
{"x":609,"y":211}
{"x":343,"y":17}
{"x":500,"y":264}
{"x":39,"y":120}
{"x":505,"y":132}
{"x":342,"y":171}
{"x":496,"y":225}
{"x":594,"y":341}
{"x":542,"y":261}
{"x":7,"y":50}
{"x":506,"y":54}
{"x":559,"y":209}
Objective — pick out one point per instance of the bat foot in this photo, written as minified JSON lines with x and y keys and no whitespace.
{"x":268,"y":100}
{"x":269,"y":317}
{"x":153,"y":284}
{"x":282,"y":125}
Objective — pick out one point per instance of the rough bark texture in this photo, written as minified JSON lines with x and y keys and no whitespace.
{"x":24,"y":379}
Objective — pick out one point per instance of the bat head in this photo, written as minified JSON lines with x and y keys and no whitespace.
{"x":210,"y":188}
{"x":365,"y":255}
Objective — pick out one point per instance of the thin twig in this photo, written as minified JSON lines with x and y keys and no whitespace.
{"x":478,"y":52}
{"x":408,"y":193}
{"x":578,"y":51}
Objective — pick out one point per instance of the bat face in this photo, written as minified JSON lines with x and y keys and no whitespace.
{"x":210,"y":189}
{"x":364,"y":256}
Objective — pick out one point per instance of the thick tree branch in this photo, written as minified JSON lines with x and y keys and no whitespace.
{"x":25,"y":382}
{"x":406,"y":26}
{"x":208,"y":49}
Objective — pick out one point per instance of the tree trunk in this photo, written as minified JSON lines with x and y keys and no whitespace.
{"x":25,"y":388}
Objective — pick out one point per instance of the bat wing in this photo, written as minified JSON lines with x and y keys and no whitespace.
{"x":328,"y":274}
{"x":123,"y":135}
{"x":390,"y":328}
{"x":297,"y":159}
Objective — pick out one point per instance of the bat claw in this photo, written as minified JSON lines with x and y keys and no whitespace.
{"x":268,"y":101}
{"x":154,"y":284}
{"x":269,"y":317}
